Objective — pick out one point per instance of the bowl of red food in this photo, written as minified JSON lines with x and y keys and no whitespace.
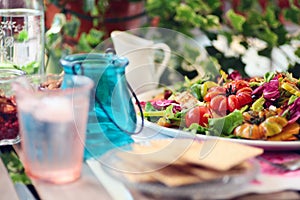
{"x":9,"y":126}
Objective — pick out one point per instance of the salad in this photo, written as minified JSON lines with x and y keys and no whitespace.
{"x":259,"y":108}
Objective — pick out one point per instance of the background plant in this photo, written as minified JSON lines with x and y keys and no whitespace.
{"x":63,"y":37}
{"x":69,"y":34}
{"x":60,"y":39}
{"x":237,"y":22}
{"x":237,"y":30}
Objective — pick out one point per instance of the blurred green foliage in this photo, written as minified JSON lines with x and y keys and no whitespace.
{"x":183,"y":16}
{"x":265,"y":20}
{"x":15,"y":168}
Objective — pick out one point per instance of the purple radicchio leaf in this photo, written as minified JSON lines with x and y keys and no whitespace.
{"x":269,"y":90}
{"x":163,"y":104}
{"x":294,"y":111}
{"x":167,"y":94}
{"x":235,"y":75}
{"x":258,"y":91}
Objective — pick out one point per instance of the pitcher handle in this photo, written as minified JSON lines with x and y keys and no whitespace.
{"x":75,"y":70}
{"x":167,"y":56}
{"x":139,"y":106}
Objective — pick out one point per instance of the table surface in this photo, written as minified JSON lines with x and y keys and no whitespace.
{"x":95,"y":184}
{"x":7,"y":189}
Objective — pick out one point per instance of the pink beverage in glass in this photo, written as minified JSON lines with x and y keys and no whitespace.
{"x":53,"y":125}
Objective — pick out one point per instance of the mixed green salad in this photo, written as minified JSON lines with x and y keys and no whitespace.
{"x":258,"y":108}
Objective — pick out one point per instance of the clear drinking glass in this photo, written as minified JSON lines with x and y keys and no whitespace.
{"x":22,"y":35}
{"x":52,"y":125}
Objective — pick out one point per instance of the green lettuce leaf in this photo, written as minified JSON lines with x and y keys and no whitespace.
{"x":224,"y":126}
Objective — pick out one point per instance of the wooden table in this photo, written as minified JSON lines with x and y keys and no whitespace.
{"x":95,"y":186}
{"x":87,"y":187}
{"x":7,"y":189}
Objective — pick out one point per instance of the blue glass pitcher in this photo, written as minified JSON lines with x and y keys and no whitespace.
{"x":112,"y":117}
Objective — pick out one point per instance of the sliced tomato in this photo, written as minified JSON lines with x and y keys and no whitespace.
{"x":233,"y":103}
{"x":219,"y":103}
{"x":245,"y":90}
{"x":244,"y":98}
{"x":237,"y":84}
{"x":199,"y":115}
{"x":231,"y":96}
{"x":214,"y":91}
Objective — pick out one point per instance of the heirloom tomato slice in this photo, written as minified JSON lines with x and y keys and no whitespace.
{"x":231,"y":96}
{"x":199,"y":115}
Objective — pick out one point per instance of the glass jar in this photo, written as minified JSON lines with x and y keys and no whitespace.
{"x":9,"y":126}
{"x":22,"y":35}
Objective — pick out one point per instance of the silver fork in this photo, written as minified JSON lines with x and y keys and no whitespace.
{"x":292,"y":165}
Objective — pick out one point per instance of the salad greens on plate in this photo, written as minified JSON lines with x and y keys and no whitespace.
{"x":258,"y":108}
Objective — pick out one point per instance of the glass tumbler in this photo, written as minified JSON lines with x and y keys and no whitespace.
{"x":22,"y":35}
{"x":52,"y":125}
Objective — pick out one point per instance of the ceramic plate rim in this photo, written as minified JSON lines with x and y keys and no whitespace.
{"x":13,"y":141}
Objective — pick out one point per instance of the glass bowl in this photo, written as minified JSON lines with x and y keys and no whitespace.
{"x":9,"y":127}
